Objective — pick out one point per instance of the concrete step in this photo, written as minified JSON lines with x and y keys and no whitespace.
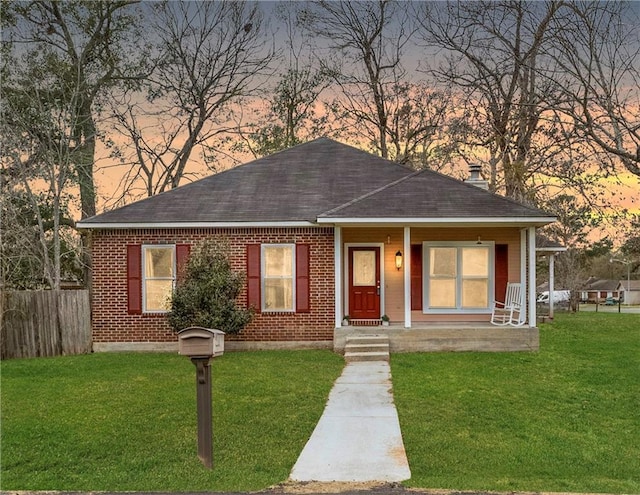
{"x":358,"y":347}
{"x":367,"y":339}
{"x":352,"y":357}
{"x":366,"y":347}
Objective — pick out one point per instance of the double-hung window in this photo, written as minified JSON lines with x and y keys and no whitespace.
{"x":159,"y":277}
{"x":278,"y":277}
{"x":457,"y":277}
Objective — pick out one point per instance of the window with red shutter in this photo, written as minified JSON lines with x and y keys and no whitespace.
{"x":256,"y":279}
{"x":151,"y":275}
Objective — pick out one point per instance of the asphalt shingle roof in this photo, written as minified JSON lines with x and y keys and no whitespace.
{"x":428,"y":194}
{"x":603,"y":284}
{"x":319,"y":179}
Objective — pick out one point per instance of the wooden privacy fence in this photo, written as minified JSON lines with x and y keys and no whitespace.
{"x":44,"y":323}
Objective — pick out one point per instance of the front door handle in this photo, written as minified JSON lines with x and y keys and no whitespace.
{"x":378,"y":288}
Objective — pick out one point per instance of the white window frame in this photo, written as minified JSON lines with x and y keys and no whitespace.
{"x":144,"y":278}
{"x":426,"y":248}
{"x":263,"y":277}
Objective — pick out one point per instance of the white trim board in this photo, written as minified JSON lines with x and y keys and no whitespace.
{"x":189,"y":225}
{"x":457,"y":221}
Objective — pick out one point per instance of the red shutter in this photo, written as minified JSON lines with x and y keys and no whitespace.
{"x":302,"y":278}
{"x":416,"y":276}
{"x":501,"y":271}
{"x":182,"y":256}
{"x":134,"y":279}
{"x":253,"y":276}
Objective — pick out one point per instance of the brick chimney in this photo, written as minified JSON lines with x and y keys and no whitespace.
{"x":475,"y":177}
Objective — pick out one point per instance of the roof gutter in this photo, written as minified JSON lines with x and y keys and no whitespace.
{"x":558,"y":249}
{"x":328,"y":221}
{"x":439,"y":222}
{"x":188,"y":225}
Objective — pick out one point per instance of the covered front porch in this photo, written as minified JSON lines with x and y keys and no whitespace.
{"x":429,"y":277}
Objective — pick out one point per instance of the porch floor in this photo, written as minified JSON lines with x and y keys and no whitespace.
{"x":446,"y":337}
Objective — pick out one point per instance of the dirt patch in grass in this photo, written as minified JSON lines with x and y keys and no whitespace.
{"x":382,"y":488}
{"x":307,"y":487}
{"x":355,"y":488}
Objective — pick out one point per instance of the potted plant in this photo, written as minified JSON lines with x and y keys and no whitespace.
{"x":345,"y":320}
{"x":385,"y":320}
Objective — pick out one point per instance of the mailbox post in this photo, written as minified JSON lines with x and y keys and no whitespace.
{"x":200,"y":345}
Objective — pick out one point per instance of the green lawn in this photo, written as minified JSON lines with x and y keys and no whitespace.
{"x":128,"y":421}
{"x":564,"y":419}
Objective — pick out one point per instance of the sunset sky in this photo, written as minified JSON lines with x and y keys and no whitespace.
{"x":624,"y":189}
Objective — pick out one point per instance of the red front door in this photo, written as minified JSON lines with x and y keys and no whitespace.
{"x":364,"y":283}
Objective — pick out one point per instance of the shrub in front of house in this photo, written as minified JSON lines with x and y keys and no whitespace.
{"x":206,"y":293}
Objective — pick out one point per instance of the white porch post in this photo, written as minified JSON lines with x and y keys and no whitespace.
{"x":337,"y":276}
{"x":532,"y":277}
{"x":523,"y":260}
{"x":407,"y":277}
{"x":552,"y":258}
{"x":523,"y":266}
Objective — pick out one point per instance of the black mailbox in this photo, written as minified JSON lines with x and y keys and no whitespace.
{"x":200,"y":342}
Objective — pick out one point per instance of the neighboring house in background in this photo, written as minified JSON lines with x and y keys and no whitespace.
{"x":321,"y":230}
{"x":598,"y":290}
{"x":629,"y":291}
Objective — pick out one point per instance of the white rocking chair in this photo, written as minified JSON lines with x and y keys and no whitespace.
{"x":512,"y":310}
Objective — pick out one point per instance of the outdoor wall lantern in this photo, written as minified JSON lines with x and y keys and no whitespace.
{"x":398,"y":260}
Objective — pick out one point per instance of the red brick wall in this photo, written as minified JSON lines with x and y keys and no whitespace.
{"x":112,"y":323}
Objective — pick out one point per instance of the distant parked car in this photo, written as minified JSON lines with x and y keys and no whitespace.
{"x":559,"y":296}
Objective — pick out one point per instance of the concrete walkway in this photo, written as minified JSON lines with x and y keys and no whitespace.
{"x":358,"y":436}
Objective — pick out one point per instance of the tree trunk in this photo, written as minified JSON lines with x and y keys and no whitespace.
{"x":84,"y":166}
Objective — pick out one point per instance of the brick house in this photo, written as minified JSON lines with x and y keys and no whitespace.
{"x":323,"y":230}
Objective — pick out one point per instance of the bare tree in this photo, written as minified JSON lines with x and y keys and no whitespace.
{"x":597,"y":50}
{"x":288,"y":113}
{"x":550,"y":89}
{"x":208,"y":56}
{"x":491,"y":52}
{"x":417,"y":124}
{"x":365,"y":41}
